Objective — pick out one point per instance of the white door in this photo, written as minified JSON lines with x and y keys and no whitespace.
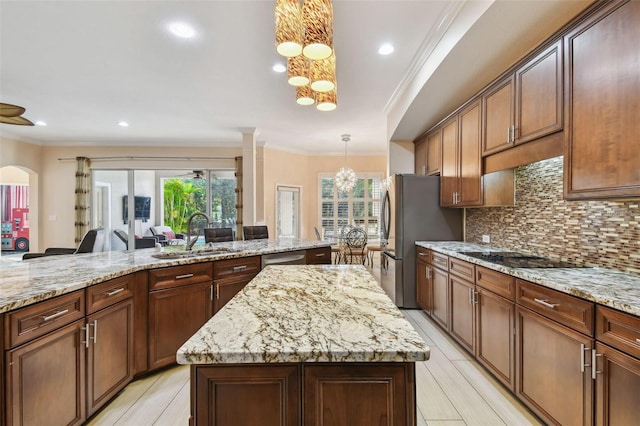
{"x":288,"y":212}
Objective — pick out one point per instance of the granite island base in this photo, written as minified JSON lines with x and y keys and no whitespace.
{"x":305,"y":345}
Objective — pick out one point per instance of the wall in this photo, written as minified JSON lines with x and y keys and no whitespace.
{"x":594,"y":233}
{"x":286,"y":168}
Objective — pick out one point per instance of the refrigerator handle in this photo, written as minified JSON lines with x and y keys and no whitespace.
{"x":386,"y":215}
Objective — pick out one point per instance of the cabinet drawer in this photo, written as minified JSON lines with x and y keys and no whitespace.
{"x":176,"y":276}
{"x":36,"y":320}
{"x":499,"y":283}
{"x":318,"y":256}
{"x":423,"y":254}
{"x":240,"y":266}
{"x":462,"y":269}
{"x":440,"y":261}
{"x":567,"y":310}
{"x":108,"y":293}
{"x":618,"y":329}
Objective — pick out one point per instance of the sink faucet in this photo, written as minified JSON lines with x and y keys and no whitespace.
{"x":192,"y":241}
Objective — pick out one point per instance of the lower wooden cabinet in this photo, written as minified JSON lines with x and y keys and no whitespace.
{"x":462,"y":300}
{"x":175,"y":314}
{"x":109,"y":354}
{"x":46,"y":379}
{"x":423,"y":285}
{"x":553,"y":375}
{"x":440,"y":297}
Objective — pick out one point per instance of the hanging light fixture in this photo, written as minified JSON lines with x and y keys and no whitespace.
{"x":304,"y":95}
{"x":346,"y":178}
{"x":327,"y":101}
{"x":317,"y":18}
{"x":323,"y":74}
{"x":298,"y":71}
{"x":289,"y":30}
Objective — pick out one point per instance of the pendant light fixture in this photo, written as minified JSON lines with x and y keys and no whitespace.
{"x":298,"y":71}
{"x":346,"y":178}
{"x":327,"y":101}
{"x":305,"y":96}
{"x":317,"y":18}
{"x":323,"y":74}
{"x":289,"y":30}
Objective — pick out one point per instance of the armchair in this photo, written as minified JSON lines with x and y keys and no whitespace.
{"x":93,"y":241}
{"x":167,"y":236}
{"x":142,"y":242}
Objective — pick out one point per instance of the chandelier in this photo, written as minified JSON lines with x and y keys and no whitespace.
{"x":345,"y":178}
{"x":304,"y":35}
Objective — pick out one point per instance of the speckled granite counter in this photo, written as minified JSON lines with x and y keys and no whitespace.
{"x":307,"y":314}
{"x":606,"y":287}
{"x":25,"y":282}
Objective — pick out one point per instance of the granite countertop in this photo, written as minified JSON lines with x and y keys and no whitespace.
{"x":26,"y":282}
{"x":309,"y":313}
{"x":617,"y":290}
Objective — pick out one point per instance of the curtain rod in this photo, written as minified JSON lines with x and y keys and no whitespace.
{"x":128,"y":157}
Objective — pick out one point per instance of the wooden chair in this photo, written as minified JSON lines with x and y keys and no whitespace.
{"x":218,"y":235}
{"x":356,"y":243}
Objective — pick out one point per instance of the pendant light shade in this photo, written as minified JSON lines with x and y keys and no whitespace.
{"x":346,"y":178}
{"x":323,"y":74}
{"x":317,"y":18}
{"x":289,"y":34}
{"x":298,"y":71}
{"x":327,"y":101}
{"x":304,"y":95}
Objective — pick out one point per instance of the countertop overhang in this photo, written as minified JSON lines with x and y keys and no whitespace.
{"x":26,"y":282}
{"x":312,"y":313}
{"x":610,"y":288}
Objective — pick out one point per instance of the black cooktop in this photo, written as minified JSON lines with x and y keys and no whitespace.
{"x":512,"y":259}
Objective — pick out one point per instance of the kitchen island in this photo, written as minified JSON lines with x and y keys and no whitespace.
{"x":312,"y":345}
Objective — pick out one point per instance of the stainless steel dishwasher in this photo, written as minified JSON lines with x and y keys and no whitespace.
{"x":288,"y":258}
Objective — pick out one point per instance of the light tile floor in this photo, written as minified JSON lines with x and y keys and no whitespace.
{"x":451,"y":390}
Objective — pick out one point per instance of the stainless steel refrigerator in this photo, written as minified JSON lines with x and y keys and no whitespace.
{"x":411,"y":212}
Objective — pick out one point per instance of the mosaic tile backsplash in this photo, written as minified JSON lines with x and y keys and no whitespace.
{"x":593,"y":233}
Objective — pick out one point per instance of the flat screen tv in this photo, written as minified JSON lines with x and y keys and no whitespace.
{"x":142,"y":208}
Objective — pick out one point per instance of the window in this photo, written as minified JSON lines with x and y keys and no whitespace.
{"x":359,"y":207}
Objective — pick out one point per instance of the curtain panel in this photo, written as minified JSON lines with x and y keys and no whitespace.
{"x":238,"y":173}
{"x":83,"y":198}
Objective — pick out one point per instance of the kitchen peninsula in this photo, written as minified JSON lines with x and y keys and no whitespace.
{"x":305,"y":345}
{"x":78,"y":328}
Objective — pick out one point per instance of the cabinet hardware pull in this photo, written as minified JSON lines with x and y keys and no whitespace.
{"x":181,"y":277}
{"x":218,"y":291}
{"x":424,"y":170}
{"x":211,"y":293}
{"x":582,"y":360}
{"x":453,"y":194}
{"x":470,"y":296}
{"x":422,"y":254}
{"x":594,"y":369}
{"x":545,"y":303}
{"x":320,"y":254}
{"x":239,"y":268}
{"x":54,"y":316}
{"x":475,"y":297}
{"x":114,"y":292}
{"x":509,"y":134}
{"x":637,"y":340}
{"x":428,"y":273}
{"x":86,"y":336}
{"x":95,"y":331}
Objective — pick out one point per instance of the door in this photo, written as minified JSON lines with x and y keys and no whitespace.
{"x":288,"y":212}
{"x":470,"y":183}
{"x":461,"y":293}
{"x":498,"y":116}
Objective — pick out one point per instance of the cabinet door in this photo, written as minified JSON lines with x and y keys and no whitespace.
{"x":539,"y":95}
{"x":46,"y":379}
{"x":423,"y":286}
{"x":449,"y":166}
{"x":420,"y":158}
{"x":462,"y":311}
{"x":110,"y":353}
{"x":318,"y":256}
{"x":617,"y":384}
{"x":440,"y":298}
{"x":495,"y":334}
{"x":551,"y":378}
{"x":175,"y":315}
{"x":434,"y":144}
{"x":470,"y":183}
{"x":225,"y":290}
{"x":498,"y":112}
{"x":602,"y":107}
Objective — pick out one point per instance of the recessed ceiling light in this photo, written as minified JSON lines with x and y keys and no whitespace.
{"x":182,"y":30}
{"x":40,"y":123}
{"x":386,"y":49}
{"x":279,"y":68}
{"x":123,"y":124}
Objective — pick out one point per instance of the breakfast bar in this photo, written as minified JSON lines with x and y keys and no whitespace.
{"x":305,"y":345}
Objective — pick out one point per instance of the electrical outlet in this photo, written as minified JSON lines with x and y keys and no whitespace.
{"x":486,"y":239}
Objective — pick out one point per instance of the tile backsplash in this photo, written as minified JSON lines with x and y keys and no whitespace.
{"x":594,"y":233}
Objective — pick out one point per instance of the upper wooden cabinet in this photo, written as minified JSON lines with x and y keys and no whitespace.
{"x":526,"y":104}
{"x":602,"y":59}
{"x":434,"y":147}
{"x":420,"y":158}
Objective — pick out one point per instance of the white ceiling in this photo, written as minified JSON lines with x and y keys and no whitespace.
{"x":84,"y":66}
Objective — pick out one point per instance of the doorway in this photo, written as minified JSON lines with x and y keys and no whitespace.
{"x":287,"y":211}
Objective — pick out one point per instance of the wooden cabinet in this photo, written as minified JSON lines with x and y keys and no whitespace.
{"x":462,"y":308}
{"x":46,"y":379}
{"x":526,"y":104}
{"x":440,"y":294}
{"x":318,"y":256}
{"x":423,"y":279}
{"x":420,"y":158}
{"x":602,"y":59}
{"x":434,"y":148}
{"x":553,"y":360}
{"x":231,"y":275}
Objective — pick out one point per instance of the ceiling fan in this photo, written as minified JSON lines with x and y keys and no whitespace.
{"x":11,"y":114}
{"x":195,"y":174}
